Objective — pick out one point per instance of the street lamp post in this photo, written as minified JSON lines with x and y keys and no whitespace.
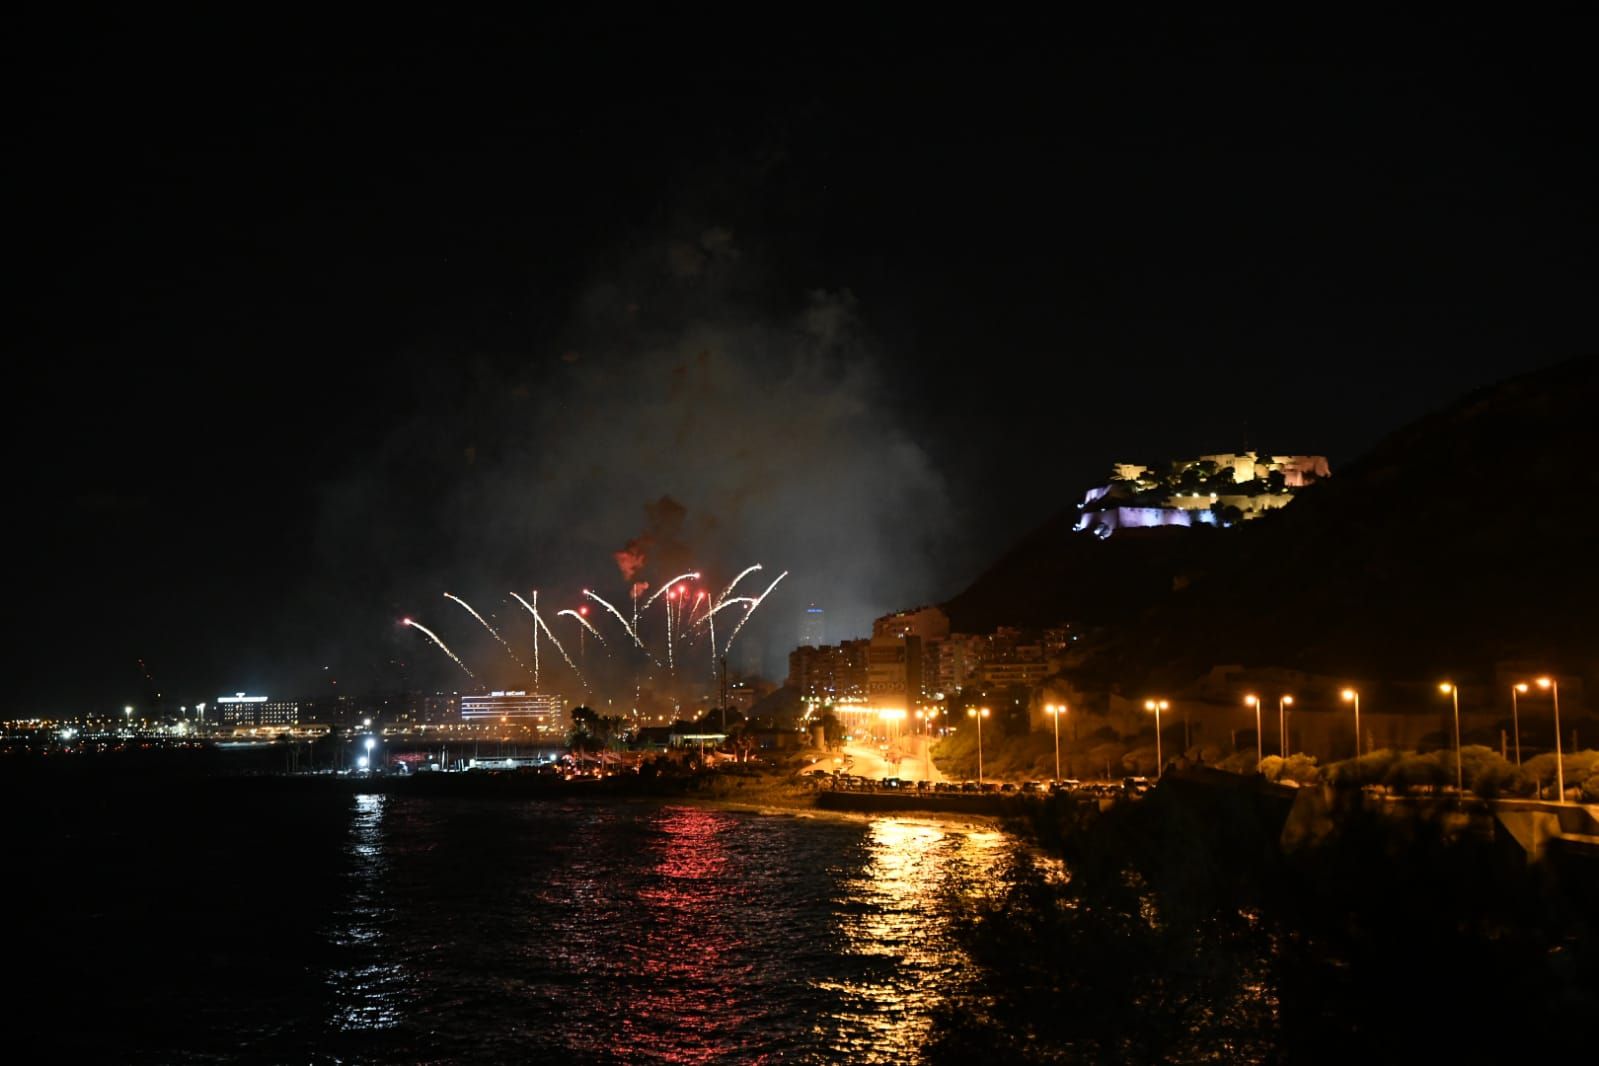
{"x":1260,"y":750}
{"x":1055,"y":713}
{"x":926,"y":718}
{"x":370,"y":744}
{"x":1351,"y":696}
{"x":1453,"y":692}
{"x":978,"y":713}
{"x":1283,"y":703}
{"x":1515,"y":715}
{"x":1157,"y":706}
{"x":1560,"y":759}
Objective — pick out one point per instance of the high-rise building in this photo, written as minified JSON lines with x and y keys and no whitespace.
{"x":813,"y":628}
{"x":830,"y":672}
{"x":895,"y":680}
{"x":929,"y":623}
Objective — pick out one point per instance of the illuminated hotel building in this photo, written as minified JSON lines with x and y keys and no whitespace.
{"x":241,"y":710}
{"x":539,"y":710}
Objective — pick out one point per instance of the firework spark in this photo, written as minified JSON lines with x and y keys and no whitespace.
{"x":630,"y":630}
{"x":538,"y":622}
{"x":710,"y":616}
{"x":699,"y":598}
{"x":434,"y":637}
{"x":584,"y":622}
{"x":492,"y":631}
{"x":694,"y":574}
{"x":746,"y":572}
{"x":751,"y":611}
{"x":533,"y":610}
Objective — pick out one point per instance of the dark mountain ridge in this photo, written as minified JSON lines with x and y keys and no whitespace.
{"x":1467,"y":538}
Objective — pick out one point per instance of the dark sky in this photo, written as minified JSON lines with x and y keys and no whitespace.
{"x":321,"y":319}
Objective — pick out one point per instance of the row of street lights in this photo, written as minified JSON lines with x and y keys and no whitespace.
{"x":1348,"y":695}
{"x":1448,"y":688}
{"x":1549,"y":684}
{"x":1283,"y":703}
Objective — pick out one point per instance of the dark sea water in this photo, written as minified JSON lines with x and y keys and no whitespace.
{"x":208,"y":923}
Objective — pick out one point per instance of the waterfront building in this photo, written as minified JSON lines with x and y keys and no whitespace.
{"x":542,"y":711}
{"x":247,"y":712}
{"x":440,"y":709}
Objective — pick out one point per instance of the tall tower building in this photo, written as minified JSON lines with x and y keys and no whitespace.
{"x":813,"y":628}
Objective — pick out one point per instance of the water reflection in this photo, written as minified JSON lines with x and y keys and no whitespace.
{"x":897,"y":956}
{"x":618,"y":933}
{"x":367,"y":989}
{"x":688,"y":1007}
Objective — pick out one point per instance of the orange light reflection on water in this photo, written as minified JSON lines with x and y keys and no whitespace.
{"x":893,"y":911}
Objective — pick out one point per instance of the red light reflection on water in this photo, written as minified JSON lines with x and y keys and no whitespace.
{"x":688,"y":1007}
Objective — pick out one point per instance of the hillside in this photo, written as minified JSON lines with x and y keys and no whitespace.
{"x":1467,"y":537}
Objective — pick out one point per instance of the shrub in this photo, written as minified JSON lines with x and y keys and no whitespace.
{"x":1370,"y":769}
{"x":1414,"y":771}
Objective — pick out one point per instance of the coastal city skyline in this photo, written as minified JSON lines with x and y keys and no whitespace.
{"x":331,"y":338}
{"x":601,"y":536}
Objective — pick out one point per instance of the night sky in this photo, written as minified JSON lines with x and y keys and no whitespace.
{"x":323,"y":319}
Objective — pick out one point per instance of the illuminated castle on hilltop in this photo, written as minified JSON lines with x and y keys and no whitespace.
{"x":1213,"y":490}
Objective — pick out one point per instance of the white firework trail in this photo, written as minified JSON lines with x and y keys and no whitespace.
{"x":710,"y":616}
{"x":434,"y":637}
{"x":534,"y":611}
{"x":670,"y":664}
{"x":584,"y":622}
{"x":701,"y":598}
{"x":538,"y":622}
{"x":686,"y":620}
{"x":492,"y":631}
{"x":746,"y":572}
{"x":694,"y":574}
{"x":751,"y":611}
{"x":630,"y":630}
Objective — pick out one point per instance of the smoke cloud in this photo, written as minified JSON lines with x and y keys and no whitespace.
{"x":688,"y":417}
